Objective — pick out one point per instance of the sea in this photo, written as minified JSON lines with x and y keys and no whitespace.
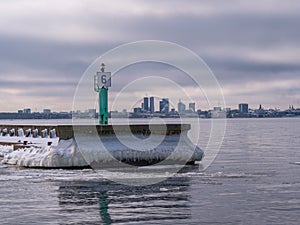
{"x":254,"y":179}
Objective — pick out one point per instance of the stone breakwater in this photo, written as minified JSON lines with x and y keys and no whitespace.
{"x":68,"y":146}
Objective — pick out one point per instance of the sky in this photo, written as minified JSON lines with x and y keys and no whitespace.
{"x":252,"y":47}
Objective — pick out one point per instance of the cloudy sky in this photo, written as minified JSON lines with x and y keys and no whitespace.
{"x":252,"y":47}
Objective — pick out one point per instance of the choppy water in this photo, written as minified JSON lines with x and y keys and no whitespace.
{"x":255,"y":179}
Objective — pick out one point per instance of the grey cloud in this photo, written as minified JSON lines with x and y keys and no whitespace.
{"x":220,"y":32}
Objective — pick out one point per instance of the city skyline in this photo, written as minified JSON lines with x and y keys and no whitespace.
{"x":192,"y":106}
{"x":149,"y":107}
{"x":242,"y":106}
{"x":147,"y":110}
{"x":251,"y":47}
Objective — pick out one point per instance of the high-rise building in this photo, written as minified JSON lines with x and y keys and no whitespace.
{"x":152,"y":104}
{"x":181,"y":107}
{"x":243,"y":108}
{"x":164,"y":105}
{"x":146,"y":104}
{"x":192,"y":106}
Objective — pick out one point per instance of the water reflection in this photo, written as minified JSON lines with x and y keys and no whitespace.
{"x":106,"y":202}
{"x":103,"y":202}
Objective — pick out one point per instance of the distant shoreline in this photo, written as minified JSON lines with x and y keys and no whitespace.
{"x":139,"y":118}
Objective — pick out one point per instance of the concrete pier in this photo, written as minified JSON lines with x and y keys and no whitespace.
{"x":65,"y":132}
{"x":69,"y":146}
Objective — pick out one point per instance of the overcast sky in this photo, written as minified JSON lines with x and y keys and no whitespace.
{"x":252,"y":47}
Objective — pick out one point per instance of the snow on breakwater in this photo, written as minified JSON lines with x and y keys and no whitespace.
{"x":173,"y":146}
{"x":63,"y":155}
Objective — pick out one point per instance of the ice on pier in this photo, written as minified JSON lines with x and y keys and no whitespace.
{"x":173,"y":148}
{"x":29,"y":136}
{"x":63,"y":155}
{"x":5,"y":149}
{"x":67,"y":154}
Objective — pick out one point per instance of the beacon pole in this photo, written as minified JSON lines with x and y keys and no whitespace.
{"x":102,"y":81}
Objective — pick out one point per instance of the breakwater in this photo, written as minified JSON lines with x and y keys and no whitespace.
{"x":100,"y":145}
{"x":65,"y":132}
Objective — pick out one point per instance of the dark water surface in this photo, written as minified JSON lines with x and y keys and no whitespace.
{"x":255,"y":179}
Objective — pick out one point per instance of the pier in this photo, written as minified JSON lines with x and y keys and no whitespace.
{"x":69,"y":146}
{"x":65,"y":132}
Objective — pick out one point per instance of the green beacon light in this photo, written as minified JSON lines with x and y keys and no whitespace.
{"x":102,"y":80}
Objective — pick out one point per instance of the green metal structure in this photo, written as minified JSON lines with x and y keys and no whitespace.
{"x":101,"y":84}
{"x":103,"y":105}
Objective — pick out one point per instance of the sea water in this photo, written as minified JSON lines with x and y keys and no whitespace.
{"x":253,"y":180}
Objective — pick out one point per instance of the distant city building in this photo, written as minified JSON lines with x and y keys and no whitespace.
{"x":261,"y":112}
{"x":152,"y":104}
{"x":116,"y":114}
{"x":192,"y":106}
{"x":202,"y":114}
{"x":243,"y":108}
{"x":181,"y":107}
{"x":146,"y":104}
{"x":291,"y":107}
{"x":137,"y":110}
{"x":217,"y":109}
{"x":46,"y":111}
{"x":27,"y":111}
{"x":164,"y":105}
{"x":92,"y":112}
{"x":20,"y":111}
{"x":217,"y":112}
